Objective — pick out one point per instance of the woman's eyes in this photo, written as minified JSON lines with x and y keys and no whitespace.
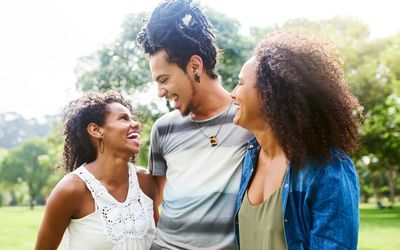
{"x":125,"y":118}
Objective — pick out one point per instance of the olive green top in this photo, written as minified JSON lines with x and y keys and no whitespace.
{"x":261,"y":226}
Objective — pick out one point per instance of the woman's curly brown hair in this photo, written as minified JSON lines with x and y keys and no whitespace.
{"x":91,"y":108}
{"x":306,"y":100}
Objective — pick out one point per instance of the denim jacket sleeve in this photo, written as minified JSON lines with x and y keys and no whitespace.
{"x":334,"y":206}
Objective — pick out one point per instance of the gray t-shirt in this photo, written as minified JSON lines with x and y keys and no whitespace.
{"x":202,"y":181}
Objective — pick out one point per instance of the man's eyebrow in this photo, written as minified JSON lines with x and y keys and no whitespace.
{"x":159,"y":76}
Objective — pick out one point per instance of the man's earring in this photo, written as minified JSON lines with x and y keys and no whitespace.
{"x":197,"y":78}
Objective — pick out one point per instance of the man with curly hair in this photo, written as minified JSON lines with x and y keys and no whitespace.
{"x":196,"y":150}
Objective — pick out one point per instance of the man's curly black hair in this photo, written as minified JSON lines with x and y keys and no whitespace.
{"x":91,"y":108}
{"x":182,"y":30}
{"x":306,"y":100}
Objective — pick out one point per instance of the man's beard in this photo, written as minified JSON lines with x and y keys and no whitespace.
{"x":184,"y":113}
{"x":189,"y":107}
{"x":187,"y":110}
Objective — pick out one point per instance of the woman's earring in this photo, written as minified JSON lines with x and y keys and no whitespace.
{"x":101,"y":143}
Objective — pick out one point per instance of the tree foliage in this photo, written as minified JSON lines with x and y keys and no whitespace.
{"x":120,"y":65}
{"x":235,"y":48}
{"x":32,"y":165}
{"x":29,"y":164}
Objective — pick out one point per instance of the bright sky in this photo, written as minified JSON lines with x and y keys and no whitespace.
{"x":41,"y":40}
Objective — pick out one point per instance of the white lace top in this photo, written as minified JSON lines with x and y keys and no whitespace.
{"x":113,"y":225}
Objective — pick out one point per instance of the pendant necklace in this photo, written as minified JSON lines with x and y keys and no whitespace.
{"x":213,"y":138}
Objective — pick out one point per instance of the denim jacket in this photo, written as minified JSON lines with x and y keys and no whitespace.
{"x":319,"y":201}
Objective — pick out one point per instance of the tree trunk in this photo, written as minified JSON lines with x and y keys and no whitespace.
{"x":375,"y":182}
{"x":364,"y":197}
{"x":31,"y":204}
{"x":14,"y":201}
{"x":390,"y":178}
{"x":32,"y":196}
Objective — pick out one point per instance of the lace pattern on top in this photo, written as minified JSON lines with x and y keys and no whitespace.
{"x":120,"y":219}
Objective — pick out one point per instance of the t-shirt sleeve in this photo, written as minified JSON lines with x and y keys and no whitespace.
{"x":157,"y":164}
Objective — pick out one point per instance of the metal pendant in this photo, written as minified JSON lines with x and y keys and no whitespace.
{"x":213,"y":140}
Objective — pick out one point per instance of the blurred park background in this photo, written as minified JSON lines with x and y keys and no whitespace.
{"x":31,"y":146}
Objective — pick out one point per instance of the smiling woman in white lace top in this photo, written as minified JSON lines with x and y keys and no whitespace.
{"x":105,"y":202}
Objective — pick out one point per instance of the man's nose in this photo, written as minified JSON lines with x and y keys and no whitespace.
{"x":233,"y":94}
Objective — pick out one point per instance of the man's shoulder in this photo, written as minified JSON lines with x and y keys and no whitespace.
{"x":168,"y":123}
{"x":168,"y":118}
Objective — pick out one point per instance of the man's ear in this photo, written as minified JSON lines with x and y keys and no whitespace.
{"x":95,"y":130}
{"x":195,"y":65}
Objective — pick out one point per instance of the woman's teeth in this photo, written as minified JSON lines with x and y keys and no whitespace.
{"x":133,"y":135}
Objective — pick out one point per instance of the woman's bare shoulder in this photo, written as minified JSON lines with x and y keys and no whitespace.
{"x":69,"y":189}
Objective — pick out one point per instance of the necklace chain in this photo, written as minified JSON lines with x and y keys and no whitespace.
{"x":213,"y":138}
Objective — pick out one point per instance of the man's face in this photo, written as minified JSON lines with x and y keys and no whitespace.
{"x":173,"y":83}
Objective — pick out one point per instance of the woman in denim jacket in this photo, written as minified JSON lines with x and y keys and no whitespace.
{"x":299,"y":188}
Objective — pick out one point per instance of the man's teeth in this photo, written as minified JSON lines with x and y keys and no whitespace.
{"x":172,"y":100}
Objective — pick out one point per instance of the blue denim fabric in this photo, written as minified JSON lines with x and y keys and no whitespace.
{"x":319,"y":202}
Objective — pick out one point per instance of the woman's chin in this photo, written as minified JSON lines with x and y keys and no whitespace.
{"x":236,"y":121}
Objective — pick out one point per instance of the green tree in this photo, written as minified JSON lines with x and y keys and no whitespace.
{"x":381,"y":138}
{"x":381,"y":130}
{"x":30,"y":164}
{"x":3,"y":153}
{"x":120,"y":65}
{"x":235,"y":48}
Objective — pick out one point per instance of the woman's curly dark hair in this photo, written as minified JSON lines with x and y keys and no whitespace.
{"x":179,"y":27}
{"x":306,"y":99}
{"x":91,"y":108}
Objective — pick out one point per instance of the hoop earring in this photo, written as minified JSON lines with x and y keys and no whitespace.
{"x":101,"y":145}
{"x":197,"y":78}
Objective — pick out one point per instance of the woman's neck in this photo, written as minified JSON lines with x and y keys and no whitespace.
{"x":268,"y":142}
{"x":109,"y":169}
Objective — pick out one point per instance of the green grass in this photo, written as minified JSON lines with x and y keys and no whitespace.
{"x":18,"y":227}
{"x":379,"y":229}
